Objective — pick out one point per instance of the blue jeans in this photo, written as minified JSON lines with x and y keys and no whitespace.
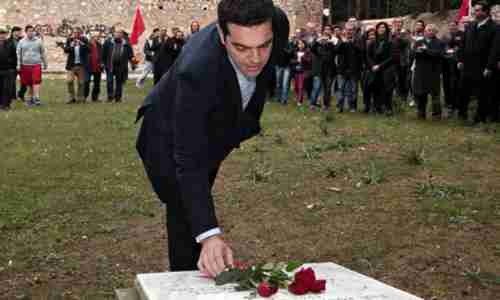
{"x":316,"y":90}
{"x":282,"y":83}
{"x":347,"y":90}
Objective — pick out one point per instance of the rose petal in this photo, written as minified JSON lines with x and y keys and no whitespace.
{"x":305,"y":277}
{"x":297,"y":289}
{"x":265,"y":290}
{"x":318,"y":286}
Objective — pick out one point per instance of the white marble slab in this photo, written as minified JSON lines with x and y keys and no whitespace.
{"x":342,"y":284}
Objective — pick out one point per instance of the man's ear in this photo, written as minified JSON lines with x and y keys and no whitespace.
{"x":221,"y":35}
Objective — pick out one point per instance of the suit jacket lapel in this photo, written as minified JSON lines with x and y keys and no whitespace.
{"x":232,"y":87}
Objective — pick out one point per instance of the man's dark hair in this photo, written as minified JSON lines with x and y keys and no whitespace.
{"x":156,"y":30}
{"x":244,"y":13}
{"x":14,"y":29}
{"x":485,"y":5}
{"x":421,"y":22}
{"x":337,"y":27}
{"x":28,"y":27}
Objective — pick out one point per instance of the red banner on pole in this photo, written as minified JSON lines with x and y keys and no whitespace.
{"x":464,"y":9}
{"x":138,"y":26}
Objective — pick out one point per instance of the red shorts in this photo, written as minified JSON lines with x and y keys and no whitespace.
{"x":30,"y":75}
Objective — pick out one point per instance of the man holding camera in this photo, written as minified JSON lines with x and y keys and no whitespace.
{"x":77,"y":49}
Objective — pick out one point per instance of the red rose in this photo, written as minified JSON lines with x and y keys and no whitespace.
{"x":318,"y":286}
{"x":297,"y":289}
{"x":265,"y":290}
{"x":305,"y":278}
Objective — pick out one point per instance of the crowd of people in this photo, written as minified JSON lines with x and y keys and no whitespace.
{"x":88,"y":56}
{"x":331,"y":63}
{"x":386,"y":60}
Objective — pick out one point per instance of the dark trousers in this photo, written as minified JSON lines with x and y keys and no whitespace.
{"x":326,"y":83}
{"x":451,"y":79}
{"x":495,"y":97}
{"x":382,"y":96}
{"x":114,"y":84}
{"x":483,"y":90}
{"x":367,"y":95}
{"x":422,"y":101}
{"x":95,"y":78}
{"x":158,"y":73}
{"x":403,"y":84}
{"x":183,"y":250}
{"x":22,"y":91}
{"x":7,"y":87}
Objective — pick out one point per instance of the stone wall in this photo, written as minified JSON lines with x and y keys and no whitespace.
{"x":55,"y":18}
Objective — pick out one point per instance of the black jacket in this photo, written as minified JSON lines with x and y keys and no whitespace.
{"x":350,"y":60}
{"x":428,"y":66}
{"x":478,"y":44}
{"x":193,"y":119}
{"x":325,"y":53}
{"x":380,"y":53}
{"x":286,"y":55}
{"x":148,"y":50}
{"x":69,"y":49}
{"x":8,"y":56}
{"x":119,"y":68}
{"x":166,"y":55}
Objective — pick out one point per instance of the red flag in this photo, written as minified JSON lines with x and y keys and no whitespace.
{"x":464,"y":9}
{"x":137,"y":26}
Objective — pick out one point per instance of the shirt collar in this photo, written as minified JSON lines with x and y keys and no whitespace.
{"x":480,"y":24}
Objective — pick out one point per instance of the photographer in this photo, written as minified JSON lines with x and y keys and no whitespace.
{"x":77,"y":49}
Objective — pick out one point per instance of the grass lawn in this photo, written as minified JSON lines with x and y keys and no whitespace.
{"x":413,"y":204}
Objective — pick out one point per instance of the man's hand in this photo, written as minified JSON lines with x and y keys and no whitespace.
{"x":215,"y":256}
{"x":375,"y":68}
{"x":460,"y":66}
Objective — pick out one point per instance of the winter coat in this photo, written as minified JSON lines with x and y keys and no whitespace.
{"x":380,"y":53}
{"x":119,"y":69}
{"x":475,"y":54}
{"x":428,"y":66}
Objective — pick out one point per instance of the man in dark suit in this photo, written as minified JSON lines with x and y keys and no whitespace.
{"x":473,"y":60}
{"x":427,"y":74}
{"x":209,"y":102}
{"x":116,"y":54}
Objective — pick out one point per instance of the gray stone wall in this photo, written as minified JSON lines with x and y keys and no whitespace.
{"x":56,"y":17}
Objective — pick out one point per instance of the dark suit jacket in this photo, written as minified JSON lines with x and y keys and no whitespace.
{"x":477,"y":49}
{"x":428,"y":67}
{"x":70,"y":50}
{"x":166,"y":55}
{"x":193,"y":118}
{"x":120,"y":69}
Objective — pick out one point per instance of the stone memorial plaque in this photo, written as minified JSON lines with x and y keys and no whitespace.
{"x":342,"y":284}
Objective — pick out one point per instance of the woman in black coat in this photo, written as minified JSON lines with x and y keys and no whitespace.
{"x":379,"y":59}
